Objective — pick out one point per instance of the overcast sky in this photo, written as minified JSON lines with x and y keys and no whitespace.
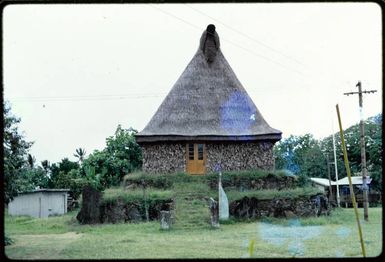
{"x":73,"y":73}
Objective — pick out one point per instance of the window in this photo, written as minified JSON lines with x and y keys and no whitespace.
{"x":200,"y":151}
{"x":191,"y":151}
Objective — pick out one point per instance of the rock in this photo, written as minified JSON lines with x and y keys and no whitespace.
{"x":214,"y":213}
{"x":289,"y":214}
{"x":165,"y":220}
{"x":133,"y":215}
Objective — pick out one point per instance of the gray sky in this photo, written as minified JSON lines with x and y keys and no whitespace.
{"x":74,"y":72}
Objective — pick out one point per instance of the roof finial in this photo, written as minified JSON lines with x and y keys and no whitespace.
{"x":210,"y":29}
{"x":210,"y":44}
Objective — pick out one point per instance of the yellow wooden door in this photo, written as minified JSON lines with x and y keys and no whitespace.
{"x":196,"y":159}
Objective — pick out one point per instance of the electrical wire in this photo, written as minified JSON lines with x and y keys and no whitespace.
{"x":231,"y":42}
{"x":247,"y":36}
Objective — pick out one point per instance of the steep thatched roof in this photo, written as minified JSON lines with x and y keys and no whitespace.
{"x":208,"y":103}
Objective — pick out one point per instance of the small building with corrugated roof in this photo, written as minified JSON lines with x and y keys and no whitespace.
{"x":207,"y":121}
{"x":39,"y":203}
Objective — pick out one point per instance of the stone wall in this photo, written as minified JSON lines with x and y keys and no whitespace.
{"x":240,"y":156}
{"x":290,"y":207}
{"x":232,"y":156}
{"x":164,"y":158}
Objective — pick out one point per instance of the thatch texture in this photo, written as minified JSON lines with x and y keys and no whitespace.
{"x":208,"y":103}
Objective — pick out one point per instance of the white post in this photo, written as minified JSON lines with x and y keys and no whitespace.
{"x":335,"y":167}
{"x":223,"y":202}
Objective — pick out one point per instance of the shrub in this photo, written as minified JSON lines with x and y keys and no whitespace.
{"x":8,"y":240}
{"x":135,"y":196}
{"x":163,"y":181}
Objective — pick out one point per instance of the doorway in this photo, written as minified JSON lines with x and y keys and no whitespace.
{"x":196,"y":159}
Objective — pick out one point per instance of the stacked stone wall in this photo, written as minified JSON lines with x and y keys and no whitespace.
{"x":164,"y":158}
{"x":233,"y":156}
{"x":240,"y":156}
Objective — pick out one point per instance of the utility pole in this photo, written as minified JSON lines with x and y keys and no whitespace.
{"x":363,"y":154}
{"x":331,"y":198}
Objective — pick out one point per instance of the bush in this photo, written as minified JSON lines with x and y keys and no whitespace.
{"x":135,"y":196}
{"x":8,"y":240}
{"x":160,"y":181}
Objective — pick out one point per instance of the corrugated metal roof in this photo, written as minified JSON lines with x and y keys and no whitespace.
{"x":45,"y":190}
{"x":322,"y":181}
{"x":356,"y":180}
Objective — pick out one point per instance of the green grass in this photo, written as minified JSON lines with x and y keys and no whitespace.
{"x":135,"y":195}
{"x":191,"y":236}
{"x":62,"y":238}
{"x":271,"y":194}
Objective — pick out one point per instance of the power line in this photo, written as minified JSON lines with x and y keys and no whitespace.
{"x":85,"y":98}
{"x":231,"y":42}
{"x":247,"y":36}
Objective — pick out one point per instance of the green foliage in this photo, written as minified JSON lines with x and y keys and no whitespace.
{"x":373,"y":148}
{"x":121,"y":156}
{"x":92,"y":178}
{"x":8,"y":240}
{"x":80,"y":153}
{"x":76,"y":187}
{"x":300,"y":154}
{"x":38,"y":177}
{"x":303,"y":180}
{"x":305,"y":156}
{"x":15,"y":153}
{"x":60,"y":173}
{"x":164,"y":181}
{"x":149,"y":197}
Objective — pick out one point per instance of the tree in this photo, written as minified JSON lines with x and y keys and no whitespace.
{"x":31,"y":161}
{"x":35,"y":178}
{"x":122,"y":155}
{"x":59,"y":172}
{"x":46,"y":167}
{"x":15,"y":150}
{"x":304,"y":155}
{"x":80,"y":154}
{"x":301,"y":155}
{"x":373,"y":146}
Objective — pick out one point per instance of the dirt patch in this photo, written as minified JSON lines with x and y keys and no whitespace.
{"x":30,"y":246}
{"x":64,"y":236}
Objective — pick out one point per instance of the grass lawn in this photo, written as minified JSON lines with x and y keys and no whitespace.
{"x":63,"y":238}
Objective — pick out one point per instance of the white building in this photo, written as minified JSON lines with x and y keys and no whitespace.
{"x":40,"y":203}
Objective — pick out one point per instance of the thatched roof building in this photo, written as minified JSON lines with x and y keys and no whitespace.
{"x":209,"y":115}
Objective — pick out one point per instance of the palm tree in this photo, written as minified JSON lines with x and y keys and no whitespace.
{"x":80,"y":153}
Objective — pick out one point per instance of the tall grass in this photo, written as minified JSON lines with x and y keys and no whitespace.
{"x":135,"y":195}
